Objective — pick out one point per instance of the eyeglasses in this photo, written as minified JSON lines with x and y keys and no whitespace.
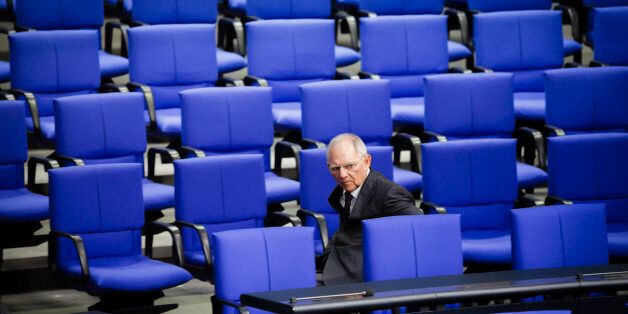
{"x":348,"y":167}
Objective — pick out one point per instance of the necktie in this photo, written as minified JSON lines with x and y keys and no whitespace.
{"x":348,"y":198}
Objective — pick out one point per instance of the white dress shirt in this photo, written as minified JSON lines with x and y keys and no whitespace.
{"x":355,"y":194}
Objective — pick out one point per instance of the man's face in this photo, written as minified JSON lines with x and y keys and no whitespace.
{"x":348,"y":168}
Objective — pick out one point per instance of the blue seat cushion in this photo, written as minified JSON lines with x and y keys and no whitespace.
{"x":112,"y":65}
{"x":279,"y":189}
{"x":21,"y":205}
{"x":530,"y":176}
{"x":287,"y":115}
{"x":407,"y":110}
{"x":457,"y":51}
{"x":46,"y":124}
{"x":168,"y":121}
{"x":346,"y":56}
{"x":571,"y":47}
{"x":5,"y":71}
{"x":156,"y":195}
{"x":617,"y":239}
{"x":134,"y":273}
{"x":196,"y":258}
{"x":410,"y":180}
{"x":229,"y":61}
{"x":486,"y":246}
{"x":530,"y":106}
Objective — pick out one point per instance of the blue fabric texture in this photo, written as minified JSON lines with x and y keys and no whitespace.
{"x":175,"y":11}
{"x":610,"y":26}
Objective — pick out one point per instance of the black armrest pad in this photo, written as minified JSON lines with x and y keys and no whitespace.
{"x":80,"y":250}
{"x":167,"y":155}
{"x":550,"y":130}
{"x":404,"y":141}
{"x":32,"y":167}
{"x":202,"y":236}
{"x":285,"y":149}
{"x":430,"y":208}
{"x":285,"y":218}
{"x":526,"y":200}
{"x":367,"y":75}
{"x":148,"y":98}
{"x":110,"y":87}
{"x":154,"y":227}
{"x":32,"y":106}
{"x":572,"y":64}
{"x":429,"y":136}
{"x":460,"y":18}
{"x":320,"y":220}
{"x":310,"y":143}
{"x":533,"y":137}
{"x":596,"y":64}
{"x":555,"y":200}
{"x":63,"y":158}
{"x":340,"y":75}
{"x":459,"y":70}
{"x":480,"y":69}
{"x":226,"y":81}
{"x":187,"y":150}
{"x":250,"y":80}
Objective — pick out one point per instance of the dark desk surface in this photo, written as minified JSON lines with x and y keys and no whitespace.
{"x":442,"y":290}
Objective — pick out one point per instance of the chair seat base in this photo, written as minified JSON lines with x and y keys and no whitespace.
{"x":124,"y":303}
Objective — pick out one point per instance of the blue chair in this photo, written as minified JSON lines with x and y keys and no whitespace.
{"x":216,"y":194}
{"x":284,"y":54}
{"x":361,"y":107}
{"x":586,"y":10}
{"x":525,"y":43}
{"x":476,"y":179}
{"x":109,"y":129}
{"x":590,"y":100}
{"x":592,"y":168}
{"x":481,"y":106}
{"x":5,"y":72}
{"x":48,"y":65}
{"x":70,"y":14}
{"x":274,"y":259}
{"x":225,"y":121}
{"x":404,"y":49}
{"x":608,"y":35}
{"x":95,"y":239}
{"x":559,"y":236}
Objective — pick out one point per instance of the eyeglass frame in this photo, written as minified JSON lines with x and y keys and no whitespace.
{"x":350,"y":167}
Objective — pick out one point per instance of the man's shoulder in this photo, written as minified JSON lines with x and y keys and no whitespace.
{"x":380,"y":182}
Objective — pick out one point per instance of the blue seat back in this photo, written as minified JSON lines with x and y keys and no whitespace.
{"x":520,"y":42}
{"x":605,"y":3}
{"x":403,"y":49}
{"x":228,"y":120}
{"x":468,"y":106}
{"x":54,"y":63}
{"x":171,"y":58}
{"x":175,"y":11}
{"x":59,"y":14}
{"x":13,"y":142}
{"x":220,"y":193}
{"x":289,"y":53}
{"x":101,"y":128}
{"x":587,"y":100}
{"x":610,"y":27}
{"x":559,"y":236}
{"x":474,"y":178}
{"x":289,"y":9}
{"x":509,"y":5}
{"x":402,"y":7}
{"x":87,"y":201}
{"x":430,"y":246}
{"x":274,"y":259}
{"x":591,"y":168}
{"x":361,"y":107}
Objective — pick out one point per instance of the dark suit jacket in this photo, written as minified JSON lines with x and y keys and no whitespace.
{"x":378,"y":197}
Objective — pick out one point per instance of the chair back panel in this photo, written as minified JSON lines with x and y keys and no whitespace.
{"x":14,"y":144}
{"x":610,"y":27}
{"x":175,"y":11}
{"x":508,"y":5}
{"x":59,"y":14}
{"x":289,"y":9}
{"x":402,"y":7}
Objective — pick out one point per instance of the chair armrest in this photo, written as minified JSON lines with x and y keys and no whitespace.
{"x":6,"y":96}
{"x":239,"y":307}
{"x":459,"y":70}
{"x":32,"y":167}
{"x":250,"y":80}
{"x":285,"y":149}
{"x":148,"y":98}
{"x":153,"y":227}
{"x":532,"y":138}
{"x":167,"y":155}
{"x":526,"y":200}
{"x":550,"y":130}
{"x":320,"y":221}
{"x":597,"y":64}
{"x":341,"y":75}
{"x":459,"y":18}
{"x":571,"y":15}
{"x":404,"y":141}
{"x":369,"y":76}
{"x":68,"y":159}
{"x":351,"y":24}
{"x":555,"y":200}
{"x":110,"y":26}
{"x":187,"y":151}
{"x":227,"y":25}
{"x":80,"y":250}
{"x":429,"y":136}
{"x":112,"y":88}
{"x":32,"y":106}
{"x":282,"y":218}
{"x":481,"y":69}
{"x":431,"y":208}
{"x":308,"y":143}
{"x":226,"y":81}
{"x":202,"y":237}
{"x":572,"y":64}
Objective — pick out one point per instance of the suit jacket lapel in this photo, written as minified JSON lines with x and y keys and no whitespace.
{"x":366,"y":194}
{"x":334,"y":200}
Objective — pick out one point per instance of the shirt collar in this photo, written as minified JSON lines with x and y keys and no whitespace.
{"x":356,"y":192}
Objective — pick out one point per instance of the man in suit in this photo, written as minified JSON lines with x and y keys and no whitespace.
{"x":362,"y":193}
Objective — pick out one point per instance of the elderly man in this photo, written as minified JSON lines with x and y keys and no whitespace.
{"x":362,"y":193}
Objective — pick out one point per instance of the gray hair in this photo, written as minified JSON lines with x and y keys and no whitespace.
{"x":357,"y":142}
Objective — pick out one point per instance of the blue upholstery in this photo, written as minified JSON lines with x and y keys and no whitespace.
{"x":605,"y":3}
{"x":86,"y":201}
{"x":403,"y":49}
{"x":610,"y":26}
{"x":223,"y":121}
{"x":108,"y":128}
{"x":288,"y":53}
{"x":525,"y":43}
{"x":5,"y":71}
{"x":497,"y":5}
{"x":220,"y":193}
{"x":17,"y":204}
{"x":559,"y":236}
{"x":274,"y":259}
{"x":457,"y":51}
{"x":403,"y":7}
{"x":52,"y":64}
{"x":349,"y":106}
{"x":587,"y":100}
{"x":475,"y":106}
{"x":476,"y":179}
{"x":287,"y":9}
{"x":591,"y":168}
{"x":345,"y":56}
{"x":169,"y":59}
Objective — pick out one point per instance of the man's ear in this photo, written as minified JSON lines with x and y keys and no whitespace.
{"x":367,"y":160}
